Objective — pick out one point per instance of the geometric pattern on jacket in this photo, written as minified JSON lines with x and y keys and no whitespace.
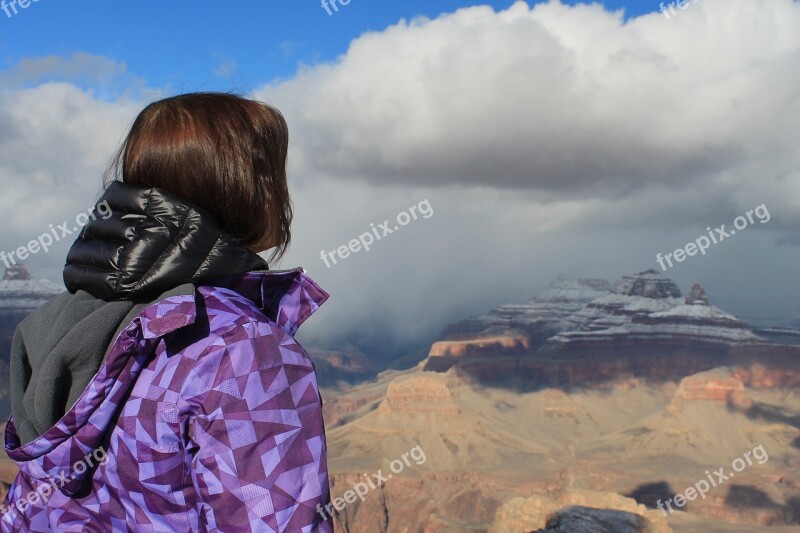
{"x":205,"y":416}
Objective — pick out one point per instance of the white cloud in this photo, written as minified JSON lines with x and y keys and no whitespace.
{"x":570,"y":102}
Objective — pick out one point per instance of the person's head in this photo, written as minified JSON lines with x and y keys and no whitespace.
{"x":222,"y":152}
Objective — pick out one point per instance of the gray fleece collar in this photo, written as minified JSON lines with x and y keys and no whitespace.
{"x":59,"y":348}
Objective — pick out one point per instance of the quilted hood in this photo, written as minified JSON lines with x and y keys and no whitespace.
{"x":153,"y":241}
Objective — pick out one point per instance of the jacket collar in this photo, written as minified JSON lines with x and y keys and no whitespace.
{"x":149,"y":241}
{"x":288,"y":297}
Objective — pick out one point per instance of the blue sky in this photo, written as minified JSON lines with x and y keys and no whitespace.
{"x":184,"y":46}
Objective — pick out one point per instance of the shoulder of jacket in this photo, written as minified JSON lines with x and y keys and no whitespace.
{"x":237,"y":323}
{"x":243,"y":347}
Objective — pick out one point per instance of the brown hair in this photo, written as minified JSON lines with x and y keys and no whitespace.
{"x":222,"y":152}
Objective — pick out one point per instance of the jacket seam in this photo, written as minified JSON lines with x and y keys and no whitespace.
{"x":136,"y":232}
{"x":169,"y":245}
{"x":210,"y":249}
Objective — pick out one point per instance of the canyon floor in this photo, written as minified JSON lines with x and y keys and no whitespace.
{"x":498,"y":459}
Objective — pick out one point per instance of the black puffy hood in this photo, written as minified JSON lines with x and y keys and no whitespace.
{"x":152,"y":241}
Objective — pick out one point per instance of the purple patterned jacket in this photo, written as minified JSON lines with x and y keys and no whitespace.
{"x":180,"y":431}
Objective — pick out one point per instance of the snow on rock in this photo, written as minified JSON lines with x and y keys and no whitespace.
{"x":647,"y":284}
{"x":649,"y":306}
{"x":640,"y":307}
{"x":19,"y":291}
{"x":697,"y":296}
{"x":550,"y":311}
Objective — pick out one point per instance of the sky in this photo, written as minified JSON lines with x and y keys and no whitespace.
{"x":542,"y":138}
{"x":189,"y":46}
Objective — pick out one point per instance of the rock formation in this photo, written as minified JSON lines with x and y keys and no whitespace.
{"x":578,"y":512}
{"x":579,"y":331}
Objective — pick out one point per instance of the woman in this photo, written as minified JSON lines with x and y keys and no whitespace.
{"x":165,"y":391}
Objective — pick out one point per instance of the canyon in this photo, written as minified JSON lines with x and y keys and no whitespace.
{"x":587,"y":405}
{"x":579,"y":410}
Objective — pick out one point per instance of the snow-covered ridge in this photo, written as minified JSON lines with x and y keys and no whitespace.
{"x":18,"y":290}
{"x":646,"y":305}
